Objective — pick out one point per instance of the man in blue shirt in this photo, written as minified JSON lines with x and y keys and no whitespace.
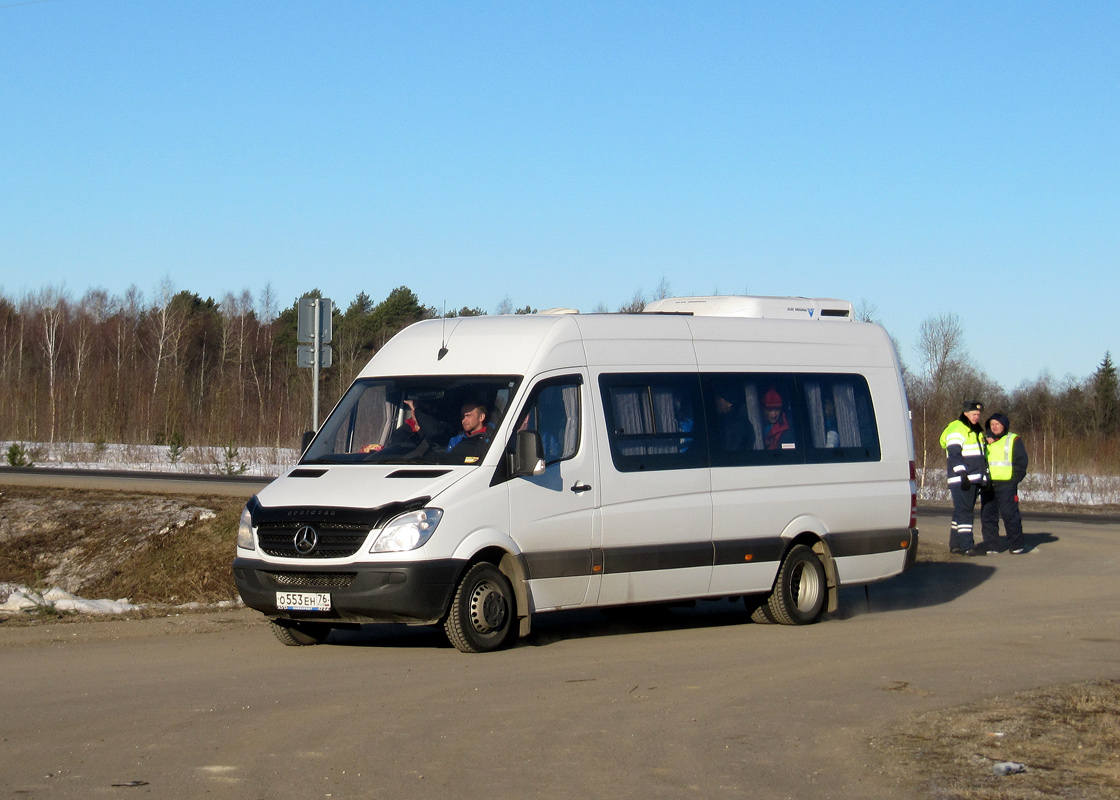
{"x":472,"y":443}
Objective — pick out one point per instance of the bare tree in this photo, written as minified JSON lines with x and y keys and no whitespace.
{"x":942,"y":360}
{"x":268,"y":305}
{"x":92,"y":311}
{"x":636,"y":305}
{"x":164,"y":327}
{"x":941,"y":350}
{"x":866,"y":311}
{"x":53,"y":308}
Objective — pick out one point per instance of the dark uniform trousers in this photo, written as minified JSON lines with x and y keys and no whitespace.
{"x":964,"y":512}
{"x":999,"y":500}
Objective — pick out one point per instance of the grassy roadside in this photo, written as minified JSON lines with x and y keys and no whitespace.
{"x":191,"y":565}
{"x":96,"y":544}
{"x":1067,"y":737}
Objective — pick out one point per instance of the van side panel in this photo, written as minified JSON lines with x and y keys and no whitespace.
{"x":656,"y":524}
{"x":864,"y":501}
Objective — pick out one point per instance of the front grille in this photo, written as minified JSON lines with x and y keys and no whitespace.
{"x":317,"y":579}
{"x":335,"y":540}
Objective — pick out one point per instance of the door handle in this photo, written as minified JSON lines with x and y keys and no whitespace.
{"x":581,"y":487}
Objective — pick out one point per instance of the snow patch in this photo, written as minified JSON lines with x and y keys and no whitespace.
{"x":1079,"y":490}
{"x":23,"y":598}
{"x":258,"y":461}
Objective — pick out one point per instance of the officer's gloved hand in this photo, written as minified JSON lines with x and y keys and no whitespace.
{"x":966,"y":484}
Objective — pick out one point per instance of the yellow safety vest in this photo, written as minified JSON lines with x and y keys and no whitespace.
{"x":972,"y":459}
{"x":959,"y":433}
{"x":999,"y":457}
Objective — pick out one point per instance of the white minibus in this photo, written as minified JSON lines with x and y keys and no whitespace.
{"x":481,"y":470}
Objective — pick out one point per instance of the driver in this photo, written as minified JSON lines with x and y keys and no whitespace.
{"x":477,"y":432}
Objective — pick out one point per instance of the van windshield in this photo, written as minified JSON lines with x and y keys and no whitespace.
{"x":447,"y":419}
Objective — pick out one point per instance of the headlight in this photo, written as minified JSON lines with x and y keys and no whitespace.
{"x":245,"y":531}
{"x":408,"y":531}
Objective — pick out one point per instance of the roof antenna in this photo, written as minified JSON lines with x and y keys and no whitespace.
{"x":443,"y":335}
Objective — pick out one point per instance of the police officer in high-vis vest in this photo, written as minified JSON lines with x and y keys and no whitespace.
{"x":967,"y":470}
{"x":1007,"y":466}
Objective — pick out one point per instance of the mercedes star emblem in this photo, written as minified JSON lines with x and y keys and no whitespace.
{"x":305,"y":540}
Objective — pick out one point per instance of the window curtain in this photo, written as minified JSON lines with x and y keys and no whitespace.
{"x":816,"y":413}
{"x":754,"y":413}
{"x":570,"y":395}
{"x":847,"y":419}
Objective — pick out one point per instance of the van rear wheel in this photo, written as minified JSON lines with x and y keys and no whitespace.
{"x":800,"y":591}
{"x":300,"y":634}
{"x":482,"y":613}
{"x":758,"y":607}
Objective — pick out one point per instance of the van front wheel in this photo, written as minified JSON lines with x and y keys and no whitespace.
{"x":799,"y":593}
{"x":482,"y":613}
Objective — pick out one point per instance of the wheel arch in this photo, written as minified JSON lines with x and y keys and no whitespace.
{"x":813,"y":533}
{"x":509,"y":560}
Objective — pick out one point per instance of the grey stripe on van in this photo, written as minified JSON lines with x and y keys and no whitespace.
{"x":644,"y":558}
{"x":870,"y":543}
{"x":753,"y":551}
{"x":681,"y":555}
{"x":559,"y":563}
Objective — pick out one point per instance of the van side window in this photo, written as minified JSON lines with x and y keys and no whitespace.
{"x":553,"y":411}
{"x":841,"y":418}
{"x":654,"y":421}
{"x":788,"y":418}
{"x":753,"y":418}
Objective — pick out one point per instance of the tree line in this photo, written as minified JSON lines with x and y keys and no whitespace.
{"x":179,"y":370}
{"x":1069,"y":426}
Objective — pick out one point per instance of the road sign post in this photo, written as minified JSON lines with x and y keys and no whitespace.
{"x":314,"y":329}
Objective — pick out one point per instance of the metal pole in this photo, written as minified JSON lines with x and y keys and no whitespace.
{"x":315,"y":345}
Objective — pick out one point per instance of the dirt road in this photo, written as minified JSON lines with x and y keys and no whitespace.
{"x":700,"y":704}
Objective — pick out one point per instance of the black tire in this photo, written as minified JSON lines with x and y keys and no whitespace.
{"x":759,"y":609}
{"x":800,"y":590}
{"x":483,"y":611}
{"x":300,"y":634}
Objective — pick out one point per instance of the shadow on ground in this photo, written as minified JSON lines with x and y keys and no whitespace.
{"x":925,"y":584}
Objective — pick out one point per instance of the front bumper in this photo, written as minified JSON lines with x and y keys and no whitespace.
{"x":416,"y":593}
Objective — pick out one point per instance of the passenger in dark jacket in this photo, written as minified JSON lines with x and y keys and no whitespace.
{"x":1007,"y":466}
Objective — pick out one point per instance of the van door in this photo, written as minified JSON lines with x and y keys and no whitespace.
{"x":656,"y":501}
{"x":552,"y":515}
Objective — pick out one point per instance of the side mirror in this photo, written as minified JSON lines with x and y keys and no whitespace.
{"x":306,"y":441}
{"x":527,"y":455}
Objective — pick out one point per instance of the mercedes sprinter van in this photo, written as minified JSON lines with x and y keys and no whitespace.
{"x":482,"y":470}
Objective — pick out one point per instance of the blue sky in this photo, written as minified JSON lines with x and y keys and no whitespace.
{"x":926,"y":158}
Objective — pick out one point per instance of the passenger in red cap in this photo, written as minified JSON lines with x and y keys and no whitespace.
{"x":776,"y":431}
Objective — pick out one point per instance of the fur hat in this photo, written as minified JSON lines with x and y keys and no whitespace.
{"x":972,"y":405}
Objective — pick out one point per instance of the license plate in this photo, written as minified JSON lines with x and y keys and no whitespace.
{"x":303,"y":601}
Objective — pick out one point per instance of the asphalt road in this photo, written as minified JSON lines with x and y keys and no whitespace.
{"x":701,"y":704}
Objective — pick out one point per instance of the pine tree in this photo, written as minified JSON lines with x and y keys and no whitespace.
{"x":1105,"y":392}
